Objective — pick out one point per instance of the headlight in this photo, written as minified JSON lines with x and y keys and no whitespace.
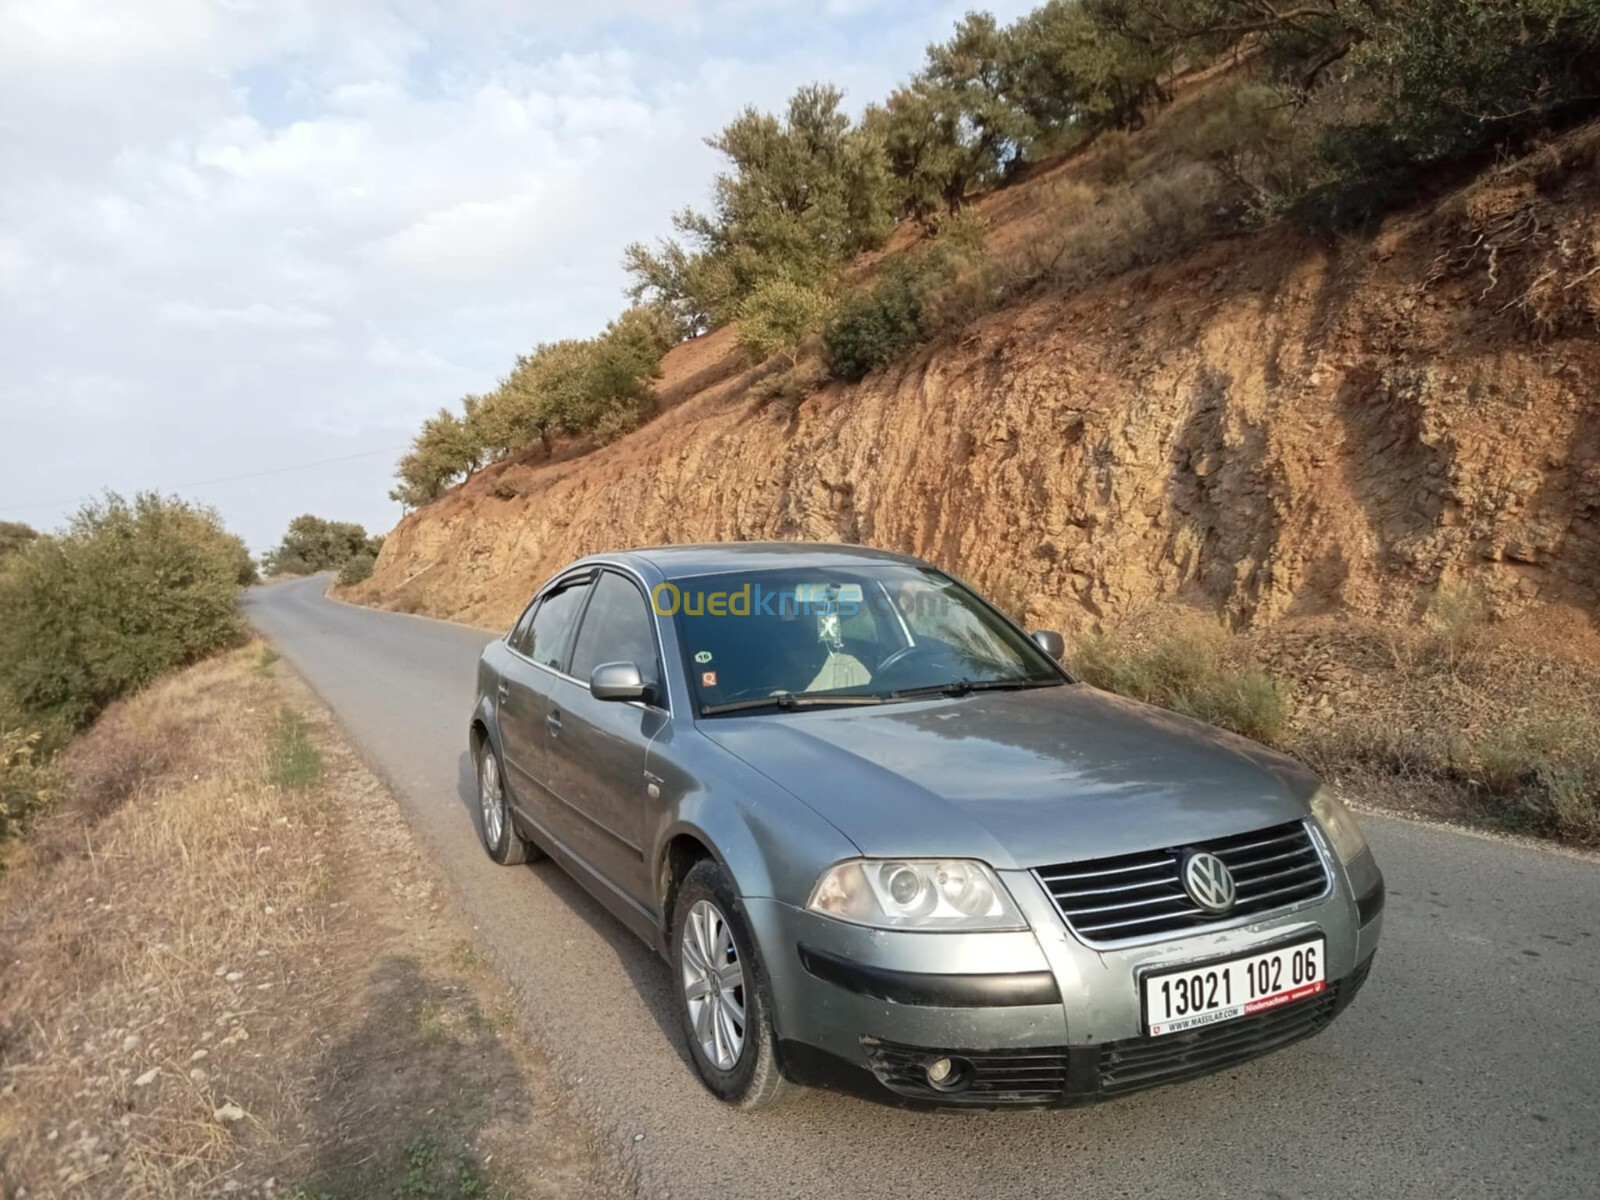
{"x":1340,"y":827}
{"x":920,"y":893}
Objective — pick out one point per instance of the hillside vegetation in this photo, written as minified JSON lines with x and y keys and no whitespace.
{"x":128,"y":591}
{"x":1331,"y":112}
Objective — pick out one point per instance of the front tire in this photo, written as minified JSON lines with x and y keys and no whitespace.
{"x":724,"y":999}
{"x":496,"y":829}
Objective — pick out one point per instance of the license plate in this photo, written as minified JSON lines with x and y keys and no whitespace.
{"x":1193,"y":997}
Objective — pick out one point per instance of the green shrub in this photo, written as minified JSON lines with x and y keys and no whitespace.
{"x":869,"y":329}
{"x":778,"y":318}
{"x":25,"y":783}
{"x":872,"y":328}
{"x":804,"y":191}
{"x":129,"y":591}
{"x":312,"y":544}
{"x":1184,"y":670}
{"x":1247,"y":700}
{"x":357,"y":568}
{"x":1455,"y":619}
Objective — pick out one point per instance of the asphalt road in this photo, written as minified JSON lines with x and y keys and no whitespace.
{"x":1469,"y":1066}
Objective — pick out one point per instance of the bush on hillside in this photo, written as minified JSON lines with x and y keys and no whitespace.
{"x":578,"y":386}
{"x":445,"y":451}
{"x":1547,"y":770}
{"x":869,"y":329}
{"x":357,"y":568}
{"x":805,"y":192}
{"x":130,"y":590}
{"x":778,"y":318}
{"x":912,"y":301}
{"x":25,"y":783}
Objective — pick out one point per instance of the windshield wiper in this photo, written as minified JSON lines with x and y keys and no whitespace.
{"x":965,"y":687}
{"x":786,"y":701}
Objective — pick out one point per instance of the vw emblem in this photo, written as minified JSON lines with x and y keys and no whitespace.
{"x":1208,"y":881}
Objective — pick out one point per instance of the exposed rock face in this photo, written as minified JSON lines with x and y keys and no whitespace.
{"x":1276,"y":427}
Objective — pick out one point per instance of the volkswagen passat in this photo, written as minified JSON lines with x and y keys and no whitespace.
{"x":887,"y":843}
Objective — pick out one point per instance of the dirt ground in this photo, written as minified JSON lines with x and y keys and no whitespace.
{"x":228,"y":971}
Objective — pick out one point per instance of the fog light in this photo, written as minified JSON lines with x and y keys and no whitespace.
{"x":948,"y":1074}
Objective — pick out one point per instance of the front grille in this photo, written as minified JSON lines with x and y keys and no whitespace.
{"x":1059,"y":1076}
{"x":1142,"y":895}
{"x":1136,"y":1063}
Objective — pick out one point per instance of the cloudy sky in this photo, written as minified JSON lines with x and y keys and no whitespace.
{"x":238,"y":236}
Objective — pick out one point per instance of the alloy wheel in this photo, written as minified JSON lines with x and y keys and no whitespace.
{"x":713,"y":984}
{"x":490,"y":798}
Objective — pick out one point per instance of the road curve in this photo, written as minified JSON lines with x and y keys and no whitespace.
{"x":1470,"y":1065}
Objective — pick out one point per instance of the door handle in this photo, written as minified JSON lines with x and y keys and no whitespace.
{"x":554,"y":722}
{"x":504,"y":689}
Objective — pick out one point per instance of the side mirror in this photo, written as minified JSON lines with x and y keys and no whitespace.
{"x":618,"y":681}
{"x":1050,"y":642}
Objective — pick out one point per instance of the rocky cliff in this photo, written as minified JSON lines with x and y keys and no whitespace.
{"x":1276,"y":426}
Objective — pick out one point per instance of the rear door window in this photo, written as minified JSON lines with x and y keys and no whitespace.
{"x":616,"y":628}
{"x":550,"y":633}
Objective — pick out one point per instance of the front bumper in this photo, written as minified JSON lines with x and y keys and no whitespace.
{"x":1041,"y":1018}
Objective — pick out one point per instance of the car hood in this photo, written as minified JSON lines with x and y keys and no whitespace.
{"x":1019,"y":779}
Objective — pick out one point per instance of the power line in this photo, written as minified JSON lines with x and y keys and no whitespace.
{"x":325,"y":462}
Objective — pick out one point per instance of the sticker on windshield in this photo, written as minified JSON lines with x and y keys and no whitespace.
{"x":703,"y":657}
{"x":708,"y":679}
{"x":825,"y":593}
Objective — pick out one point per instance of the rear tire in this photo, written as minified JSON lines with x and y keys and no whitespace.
{"x":723,"y":996}
{"x":496,"y":827}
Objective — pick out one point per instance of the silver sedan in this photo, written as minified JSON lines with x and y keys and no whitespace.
{"x":888,"y":844}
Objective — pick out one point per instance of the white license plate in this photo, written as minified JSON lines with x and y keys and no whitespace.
{"x":1193,"y":997}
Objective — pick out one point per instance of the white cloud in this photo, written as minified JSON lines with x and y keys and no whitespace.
{"x":229,"y":225}
{"x":257,"y":316}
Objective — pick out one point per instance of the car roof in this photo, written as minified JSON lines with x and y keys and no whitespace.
{"x":682,"y":562}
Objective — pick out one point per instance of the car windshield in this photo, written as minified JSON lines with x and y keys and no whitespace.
{"x":870,"y":632}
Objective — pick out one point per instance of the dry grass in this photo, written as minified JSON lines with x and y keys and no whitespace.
{"x":1457,"y":717}
{"x":143,"y":939}
{"x":1450,"y":716}
{"x":1187,"y":667}
{"x":216,"y":979}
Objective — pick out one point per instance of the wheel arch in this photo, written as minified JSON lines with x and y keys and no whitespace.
{"x":481,"y":729}
{"x":679,"y":853}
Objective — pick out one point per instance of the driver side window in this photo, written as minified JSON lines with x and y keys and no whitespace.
{"x":616,"y":628}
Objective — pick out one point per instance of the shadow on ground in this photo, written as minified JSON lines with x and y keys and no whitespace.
{"x":650,"y":976}
{"x":401,"y":1099}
